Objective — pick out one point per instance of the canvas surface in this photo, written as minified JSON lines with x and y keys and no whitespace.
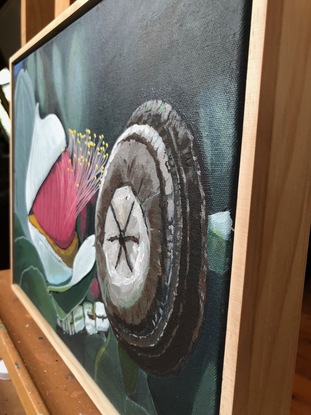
{"x":127,"y":128}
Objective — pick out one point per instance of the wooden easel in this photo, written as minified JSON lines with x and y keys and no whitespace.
{"x":42,"y":380}
{"x":36,"y":14}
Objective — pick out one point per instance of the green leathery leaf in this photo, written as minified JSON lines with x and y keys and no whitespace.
{"x":41,"y":79}
{"x":57,"y":73}
{"x":31,"y":68}
{"x":33,"y":284}
{"x":99,"y":356}
{"x":219,"y":241}
{"x":75,"y":74}
{"x":129,"y":370}
{"x":108,"y":372}
{"x":59,"y":311}
{"x":24,"y":115}
{"x":205,"y":401}
{"x":142,"y":395}
{"x":93,"y":344}
{"x":28,"y":272}
{"x":25,"y":256}
{"x":115,"y":372}
{"x":18,"y":229}
{"x":133,"y":408}
{"x":219,"y":252}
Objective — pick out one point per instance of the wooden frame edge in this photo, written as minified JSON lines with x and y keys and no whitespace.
{"x":11,"y":178}
{"x":272,"y":223}
{"x":245,"y":183}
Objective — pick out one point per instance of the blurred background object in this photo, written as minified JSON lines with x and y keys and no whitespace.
{"x":10,"y":33}
{"x":4,"y":168}
{"x":10,"y":42}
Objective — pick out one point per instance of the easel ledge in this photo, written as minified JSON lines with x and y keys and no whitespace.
{"x":43,"y":381}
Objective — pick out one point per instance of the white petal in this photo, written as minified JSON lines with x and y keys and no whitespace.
{"x":99,"y":309}
{"x":82,"y":264}
{"x":56,"y":271}
{"x":102,"y":324}
{"x":84,"y":260}
{"x":48,"y":141}
{"x":220,"y":223}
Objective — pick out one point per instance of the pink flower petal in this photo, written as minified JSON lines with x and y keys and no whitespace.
{"x":56,"y":201}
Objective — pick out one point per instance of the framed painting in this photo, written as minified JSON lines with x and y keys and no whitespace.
{"x":127,"y":124}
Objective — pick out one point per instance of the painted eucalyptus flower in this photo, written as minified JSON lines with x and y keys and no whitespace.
{"x":61,"y":179}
